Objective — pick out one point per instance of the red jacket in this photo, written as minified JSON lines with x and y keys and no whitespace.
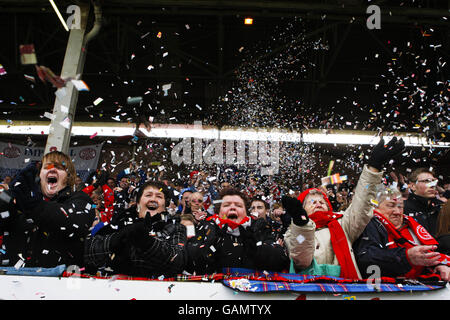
{"x":107,"y":210}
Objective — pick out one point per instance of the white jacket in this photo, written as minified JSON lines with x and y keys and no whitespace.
{"x":305,"y":242}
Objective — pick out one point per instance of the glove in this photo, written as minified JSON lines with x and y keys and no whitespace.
{"x":260,"y":230}
{"x":155,"y":223}
{"x":25,"y":189}
{"x":6,"y":206}
{"x":135,"y":234}
{"x":294,"y":208}
{"x":90,"y":177}
{"x":101,"y":180}
{"x":257,"y":232}
{"x":248,"y":239}
{"x":382,"y":153}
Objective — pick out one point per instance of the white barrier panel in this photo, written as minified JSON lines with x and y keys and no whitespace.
{"x":74,"y":288}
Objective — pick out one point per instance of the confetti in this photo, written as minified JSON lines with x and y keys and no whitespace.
{"x":97,"y":101}
{"x":300,"y":239}
{"x":27,"y":54}
{"x":49,"y":115}
{"x":4,"y":214}
{"x":80,"y":85}
{"x":66,"y":123}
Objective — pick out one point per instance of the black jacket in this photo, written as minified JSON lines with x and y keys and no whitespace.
{"x":44,"y":233}
{"x":371,"y":249}
{"x":130,"y":245}
{"x":254,"y":248}
{"x":424,"y":211}
{"x":444,"y":244}
{"x":279,"y":228}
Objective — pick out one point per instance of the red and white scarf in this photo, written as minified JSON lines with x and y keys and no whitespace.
{"x":232,"y":227}
{"x":403,"y":237}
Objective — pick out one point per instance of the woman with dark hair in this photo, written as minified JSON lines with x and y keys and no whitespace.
{"x":44,"y":221}
{"x":233,"y":239}
{"x":140,"y":241}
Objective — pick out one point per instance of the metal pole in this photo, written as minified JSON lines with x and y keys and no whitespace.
{"x":66,"y":101}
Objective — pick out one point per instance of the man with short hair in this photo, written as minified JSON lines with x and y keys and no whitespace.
{"x":259,"y":208}
{"x":422,"y":203}
{"x":184,"y":201}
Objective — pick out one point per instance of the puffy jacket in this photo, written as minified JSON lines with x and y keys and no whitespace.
{"x":305,"y":242}
{"x":254,"y":248}
{"x":444,"y":244}
{"x":370,"y":249}
{"x":46,"y":233}
{"x":166,"y":255}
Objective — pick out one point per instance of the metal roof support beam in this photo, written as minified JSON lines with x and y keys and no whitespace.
{"x":65,"y":104}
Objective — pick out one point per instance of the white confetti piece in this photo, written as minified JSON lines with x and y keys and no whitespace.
{"x":19,"y":264}
{"x":49,"y":115}
{"x":4,"y":214}
{"x":64,"y":109}
{"x":97,"y":101}
{"x":300,"y":239}
{"x":80,"y":85}
{"x":65,"y":123}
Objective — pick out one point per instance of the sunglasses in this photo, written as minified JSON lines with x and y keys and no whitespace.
{"x":196,"y":201}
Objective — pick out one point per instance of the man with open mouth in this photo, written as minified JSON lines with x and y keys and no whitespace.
{"x":143,"y":240}
{"x":46,"y":220}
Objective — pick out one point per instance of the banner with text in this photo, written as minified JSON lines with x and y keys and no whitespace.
{"x":14,"y":157}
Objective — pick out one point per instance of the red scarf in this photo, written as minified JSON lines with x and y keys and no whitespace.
{"x":403,"y":238}
{"x":338,"y":238}
{"x":338,"y":241}
{"x":221,"y":222}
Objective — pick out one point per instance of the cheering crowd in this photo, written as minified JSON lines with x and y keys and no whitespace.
{"x":149,"y":226}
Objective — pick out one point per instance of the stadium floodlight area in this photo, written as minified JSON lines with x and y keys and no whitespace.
{"x":178,"y":131}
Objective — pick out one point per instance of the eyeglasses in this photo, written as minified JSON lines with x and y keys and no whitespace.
{"x":427,"y":180}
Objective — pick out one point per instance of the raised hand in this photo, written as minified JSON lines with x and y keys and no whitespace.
{"x":294,"y":208}
{"x":382,"y":153}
